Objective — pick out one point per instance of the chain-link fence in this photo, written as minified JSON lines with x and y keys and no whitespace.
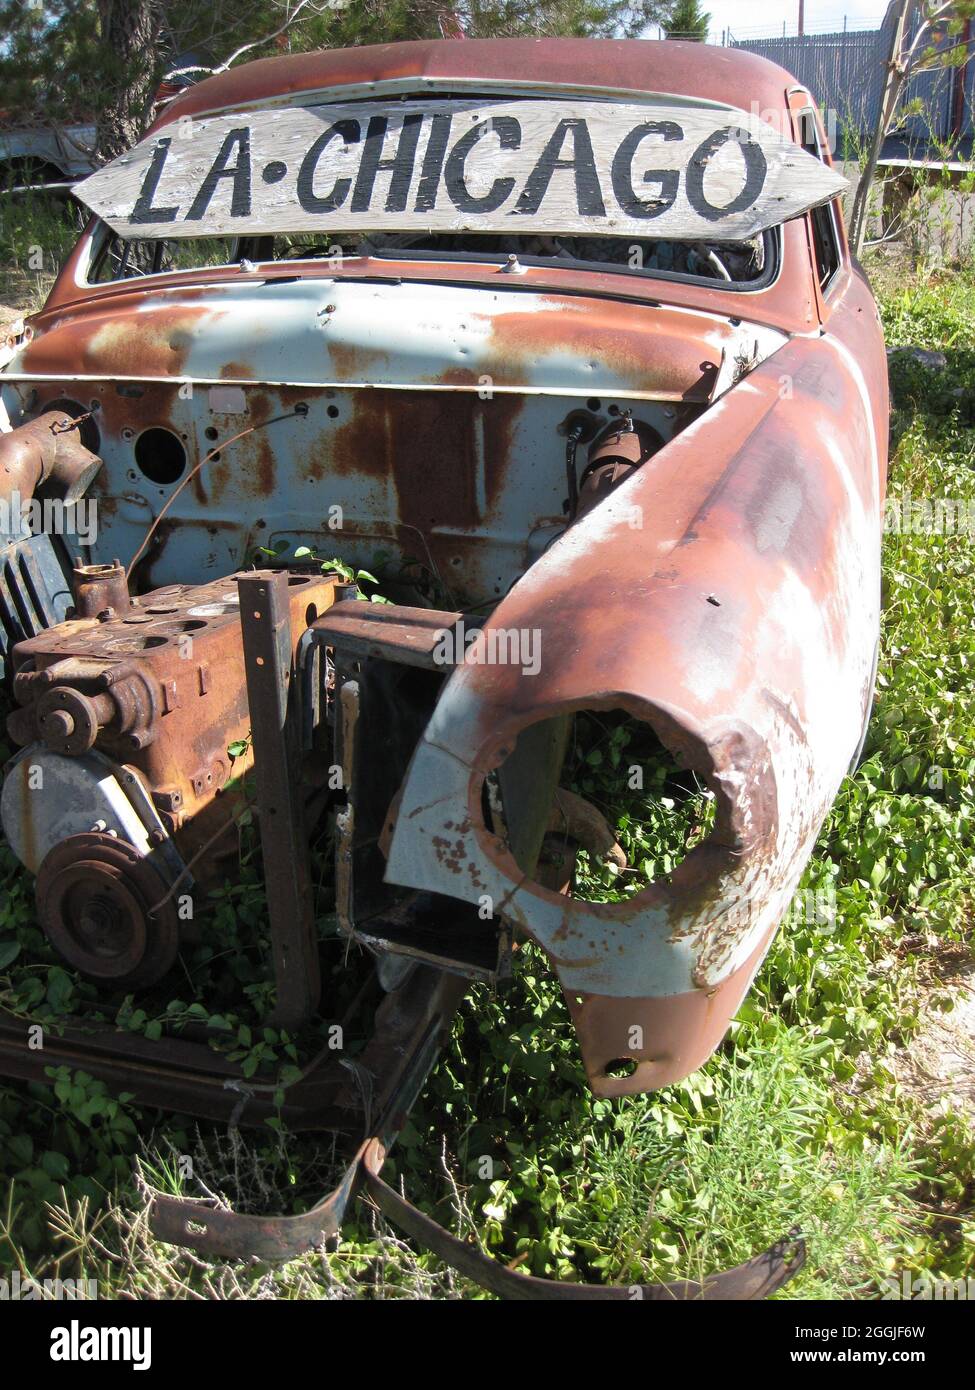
{"x":845,"y":72}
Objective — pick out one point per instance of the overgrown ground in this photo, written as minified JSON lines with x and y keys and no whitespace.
{"x":809,"y":1114}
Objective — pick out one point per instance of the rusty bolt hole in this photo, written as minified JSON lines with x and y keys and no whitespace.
{"x":621,"y":1067}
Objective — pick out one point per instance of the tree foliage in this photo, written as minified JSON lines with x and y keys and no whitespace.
{"x":926,"y":35}
{"x":687,"y":20}
{"x":101,"y":61}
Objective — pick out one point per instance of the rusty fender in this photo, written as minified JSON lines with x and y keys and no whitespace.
{"x":727,"y":593}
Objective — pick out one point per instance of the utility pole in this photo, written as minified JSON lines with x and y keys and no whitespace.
{"x":959,"y":75}
{"x":802,"y":17}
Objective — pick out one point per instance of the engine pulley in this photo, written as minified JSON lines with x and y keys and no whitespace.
{"x":95,"y":901}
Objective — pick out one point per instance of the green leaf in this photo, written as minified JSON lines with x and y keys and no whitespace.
{"x":22,"y":1148}
{"x":60,"y":987}
{"x":55,"y":1165}
{"x":9,"y":951}
{"x":878,"y":873}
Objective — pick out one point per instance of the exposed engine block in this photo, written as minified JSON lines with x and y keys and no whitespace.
{"x":124,"y":782}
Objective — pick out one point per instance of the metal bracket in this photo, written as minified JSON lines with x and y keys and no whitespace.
{"x":271,"y":695}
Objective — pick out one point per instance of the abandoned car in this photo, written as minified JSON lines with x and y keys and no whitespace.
{"x":557,"y":348}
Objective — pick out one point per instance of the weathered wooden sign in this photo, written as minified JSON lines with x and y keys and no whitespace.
{"x":555,"y":166}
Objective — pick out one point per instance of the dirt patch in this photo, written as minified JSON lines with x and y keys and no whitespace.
{"x":939,"y":1062}
{"x":8,"y":317}
{"x":21,"y":291}
{"x":11,"y":327}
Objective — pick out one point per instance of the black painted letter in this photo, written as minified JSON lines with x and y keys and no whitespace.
{"x":429,"y":185}
{"x":401,"y":163}
{"x":143,"y":210}
{"x":240,"y":172}
{"x":668,"y":179}
{"x":508,"y":131}
{"x":346,"y":131}
{"x":755,"y":169}
{"x":589,"y":197}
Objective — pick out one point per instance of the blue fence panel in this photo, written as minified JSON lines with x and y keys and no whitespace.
{"x":845,"y":71}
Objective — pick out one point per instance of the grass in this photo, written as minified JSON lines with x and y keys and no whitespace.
{"x":799,"y":1118}
{"x":37,"y":231}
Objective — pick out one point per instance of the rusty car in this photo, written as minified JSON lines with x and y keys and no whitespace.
{"x":568,"y":335}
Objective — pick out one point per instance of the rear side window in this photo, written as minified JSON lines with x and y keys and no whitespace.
{"x":826,"y":242}
{"x":118,"y":259}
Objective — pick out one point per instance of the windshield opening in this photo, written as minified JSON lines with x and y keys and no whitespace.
{"x":737,"y":265}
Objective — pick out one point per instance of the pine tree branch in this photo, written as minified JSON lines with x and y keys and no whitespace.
{"x":244,"y":48}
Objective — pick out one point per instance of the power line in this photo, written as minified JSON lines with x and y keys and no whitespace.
{"x":790,"y":31}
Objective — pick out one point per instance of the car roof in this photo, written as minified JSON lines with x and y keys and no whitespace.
{"x":697,"y":71}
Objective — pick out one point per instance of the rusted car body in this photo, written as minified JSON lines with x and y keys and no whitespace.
{"x":713,"y":572}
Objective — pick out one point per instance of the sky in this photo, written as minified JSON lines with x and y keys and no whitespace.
{"x":763,"y":18}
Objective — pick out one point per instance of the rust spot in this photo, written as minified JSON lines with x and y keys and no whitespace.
{"x":352,"y":362}
{"x":120,"y":339}
{"x":645,"y":349}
